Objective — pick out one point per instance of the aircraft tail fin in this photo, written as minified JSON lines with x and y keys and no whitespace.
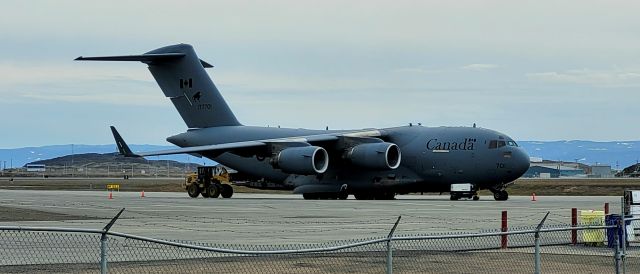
{"x":181,"y":76}
{"x":123,"y":148}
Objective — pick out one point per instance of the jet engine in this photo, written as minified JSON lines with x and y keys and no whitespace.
{"x":375,"y":155}
{"x":308,"y":160}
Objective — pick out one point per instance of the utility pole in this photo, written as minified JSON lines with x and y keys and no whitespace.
{"x":72,"y":167}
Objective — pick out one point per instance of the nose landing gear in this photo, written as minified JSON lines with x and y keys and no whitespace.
{"x":499,"y":193}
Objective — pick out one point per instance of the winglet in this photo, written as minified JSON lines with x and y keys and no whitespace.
{"x":123,"y":148}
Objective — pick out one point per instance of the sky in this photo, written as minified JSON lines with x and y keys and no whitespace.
{"x":535,"y":70}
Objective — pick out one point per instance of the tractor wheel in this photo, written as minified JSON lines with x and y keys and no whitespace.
{"x":213,"y":191}
{"x":226,"y":191}
{"x":193,"y":190}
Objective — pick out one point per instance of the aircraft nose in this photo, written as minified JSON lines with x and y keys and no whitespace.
{"x":521,"y":162}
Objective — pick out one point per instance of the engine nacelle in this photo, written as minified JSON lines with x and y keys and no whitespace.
{"x":309,"y":160}
{"x":375,"y":155}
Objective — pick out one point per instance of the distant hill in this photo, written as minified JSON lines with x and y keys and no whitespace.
{"x":107,"y":158}
{"x":631,"y":171}
{"x":18,"y":157}
{"x":108,"y":165}
{"x":617,"y":154}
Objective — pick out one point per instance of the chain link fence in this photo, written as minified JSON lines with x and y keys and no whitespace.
{"x":561,"y":249}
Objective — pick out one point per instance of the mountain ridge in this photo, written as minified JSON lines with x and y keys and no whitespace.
{"x":617,"y":154}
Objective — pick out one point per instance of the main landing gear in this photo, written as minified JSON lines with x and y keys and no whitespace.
{"x":343,"y":195}
{"x":326,"y":196}
{"x":375,"y":196}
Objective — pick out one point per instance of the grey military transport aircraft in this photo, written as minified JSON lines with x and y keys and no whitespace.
{"x":325,"y":164}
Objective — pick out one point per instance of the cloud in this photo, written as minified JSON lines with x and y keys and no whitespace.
{"x":26,"y":73}
{"x":603,"y":78}
{"x":480,"y":67}
{"x":78,"y":84}
{"x":422,"y":70}
{"x":140,"y":99}
{"x":418,"y":70}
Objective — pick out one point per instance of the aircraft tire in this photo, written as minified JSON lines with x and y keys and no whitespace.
{"x":193,"y":190}
{"x":226,"y":191}
{"x":363,"y":196}
{"x":385,"y":196}
{"x":501,"y":195}
{"x":213,"y":191}
{"x":310,"y":196}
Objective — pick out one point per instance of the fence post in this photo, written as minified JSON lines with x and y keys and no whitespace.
{"x":537,"y":242}
{"x":616,"y":245}
{"x":389,"y":247}
{"x":504,"y":228}
{"x":623,"y":241}
{"x":103,"y":243}
{"x":574,"y":223}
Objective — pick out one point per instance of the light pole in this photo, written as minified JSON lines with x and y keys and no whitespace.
{"x":72,"y":167}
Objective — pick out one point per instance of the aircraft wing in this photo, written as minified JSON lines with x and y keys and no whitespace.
{"x":123,"y":148}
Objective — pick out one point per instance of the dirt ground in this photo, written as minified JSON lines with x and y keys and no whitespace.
{"x":135,"y":185}
{"x":15,"y":214}
{"x":574,"y":187}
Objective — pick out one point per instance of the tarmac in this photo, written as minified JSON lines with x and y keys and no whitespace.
{"x":267,"y":219}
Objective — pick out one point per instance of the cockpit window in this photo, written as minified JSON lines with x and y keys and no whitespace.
{"x":496,"y":144}
{"x":493,"y":144}
{"x":512,"y":144}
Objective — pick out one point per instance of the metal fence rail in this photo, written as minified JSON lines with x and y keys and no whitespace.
{"x":48,"y":249}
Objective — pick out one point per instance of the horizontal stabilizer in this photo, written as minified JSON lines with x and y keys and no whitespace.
{"x":145,"y":58}
{"x":141,"y":58}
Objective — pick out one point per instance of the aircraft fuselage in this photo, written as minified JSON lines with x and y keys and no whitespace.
{"x":432,"y":159}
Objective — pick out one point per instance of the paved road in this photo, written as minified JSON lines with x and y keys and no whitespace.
{"x":278,"y":219}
